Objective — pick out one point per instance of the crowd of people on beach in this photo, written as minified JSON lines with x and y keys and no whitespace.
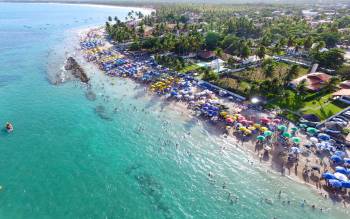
{"x":270,"y":133}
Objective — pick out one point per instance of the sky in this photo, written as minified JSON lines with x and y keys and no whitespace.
{"x":195,"y":1}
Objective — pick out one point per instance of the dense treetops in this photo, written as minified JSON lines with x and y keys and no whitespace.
{"x":236,"y":30}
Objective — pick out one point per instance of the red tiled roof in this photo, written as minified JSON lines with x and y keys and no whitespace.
{"x":342,"y":92}
{"x":345,"y":84}
{"x":206,"y":54}
{"x":315,"y":81}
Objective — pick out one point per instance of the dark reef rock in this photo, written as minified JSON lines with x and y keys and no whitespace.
{"x":76,"y":70}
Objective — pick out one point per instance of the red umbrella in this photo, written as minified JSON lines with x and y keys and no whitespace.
{"x":229,"y":120}
{"x":241,"y":118}
{"x":276,"y":120}
{"x":265,"y":120}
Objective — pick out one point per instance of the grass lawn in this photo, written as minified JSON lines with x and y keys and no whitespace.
{"x":323,"y":108}
{"x":234,"y":85}
{"x":321,"y":105}
{"x":257,"y":73}
{"x":190,"y":68}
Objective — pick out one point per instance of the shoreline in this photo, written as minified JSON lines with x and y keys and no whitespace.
{"x":91,"y":4}
{"x":247,"y":146}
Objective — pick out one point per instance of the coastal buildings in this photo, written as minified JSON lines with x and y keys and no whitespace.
{"x":313,"y":81}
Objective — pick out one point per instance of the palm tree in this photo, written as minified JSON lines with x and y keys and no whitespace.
{"x":301,"y":88}
{"x":292,"y":73}
{"x":261,"y":52}
{"x":332,"y":84}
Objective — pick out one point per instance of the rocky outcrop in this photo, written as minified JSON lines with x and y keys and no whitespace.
{"x":76,"y":70}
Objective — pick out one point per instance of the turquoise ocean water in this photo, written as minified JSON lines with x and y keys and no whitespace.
{"x":73,"y":157}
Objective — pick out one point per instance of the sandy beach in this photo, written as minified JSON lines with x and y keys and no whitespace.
{"x":301,"y":171}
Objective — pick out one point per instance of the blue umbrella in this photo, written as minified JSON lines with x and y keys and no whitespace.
{"x":345,"y":185}
{"x":335,"y":183}
{"x":328,"y":175}
{"x":347,"y":160}
{"x":340,"y":153}
{"x":340,"y":169}
{"x":336,"y":158}
{"x":324,"y":137}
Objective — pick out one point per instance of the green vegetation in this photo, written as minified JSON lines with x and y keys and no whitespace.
{"x":236,"y":32}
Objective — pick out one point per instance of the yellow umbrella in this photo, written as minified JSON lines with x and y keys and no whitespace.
{"x":247,"y":132}
{"x":242,"y":128}
{"x":251,"y":128}
{"x":263,"y":129}
{"x":256,"y":125}
{"x":223,"y":113}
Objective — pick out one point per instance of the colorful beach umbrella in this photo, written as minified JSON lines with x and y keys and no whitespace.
{"x":282,"y":127}
{"x":265,"y":120}
{"x":229,"y":120}
{"x":341,"y":169}
{"x":242,"y":128}
{"x":324,"y":137}
{"x":336,"y":159}
{"x":223,"y":114}
{"x":314,"y":140}
{"x":347,"y":160}
{"x":328,"y":175}
{"x":294,"y":129}
{"x":276,"y":120}
{"x":251,"y":128}
{"x":341,"y":177}
{"x":286,"y":134}
{"x":256,"y":125}
{"x":264,"y":129}
{"x":267,"y":133}
{"x":340,"y":153}
{"x":260,"y":138}
{"x":345,"y":185}
{"x":303,"y":126}
{"x":335,"y":183}
{"x":296,"y":140}
{"x":311,"y":130}
{"x":247,"y":132}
